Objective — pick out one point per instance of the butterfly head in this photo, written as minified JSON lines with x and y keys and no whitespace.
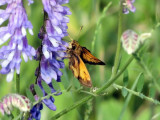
{"x":73,"y":45}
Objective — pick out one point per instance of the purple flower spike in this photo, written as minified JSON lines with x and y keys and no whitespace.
{"x":128,"y":5}
{"x":51,"y":53}
{"x":16,"y":32}
{"x":56,"y":29}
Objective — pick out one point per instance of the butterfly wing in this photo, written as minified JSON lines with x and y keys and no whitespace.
{"x":80,"y":71}
{"x":74,"y":65}
{"x":87,"y":57}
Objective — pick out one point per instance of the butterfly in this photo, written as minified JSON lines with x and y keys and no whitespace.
{"x":78,"y":56}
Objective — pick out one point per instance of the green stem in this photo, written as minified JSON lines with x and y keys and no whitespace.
{"x":18,"y":83}
{"x":117,"y":57}
{"x":99,"y":24}
{"x":112,"y":80}
{"x":18,"y":89}
{"x":138,"y":94}
{"x":46,"y":97}
{"x":82,"y":101}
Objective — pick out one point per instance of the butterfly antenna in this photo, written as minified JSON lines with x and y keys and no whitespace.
{"x":61,"y":44}
{"x":70,"y":37}
{"x":79,"y":31}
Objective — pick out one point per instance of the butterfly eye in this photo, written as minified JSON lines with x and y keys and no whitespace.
{"x":73,"y":47}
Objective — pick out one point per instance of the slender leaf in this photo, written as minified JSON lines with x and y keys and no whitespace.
{"x":65,"y":83}
{"x":30,"y":95}
{"x":152,"y":91}
{"x":125,"y":78}
{"x":124,"y":92}
{"x":55,"y":85}
{"x":38,"y":90}
{"x":46,"y":87}
{"x":140,"y":83}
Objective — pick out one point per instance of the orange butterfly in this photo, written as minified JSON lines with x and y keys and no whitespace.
{"x":79,"y":55}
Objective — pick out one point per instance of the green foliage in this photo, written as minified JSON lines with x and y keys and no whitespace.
{"x":125,"y":78}
{"x":140,"y":83}
{"x":105,"y":110}
{"x":152,"y":91}
{"x":55,"y":85}
{"x":101,"y":39}
{"x":124,"y":92}
{"x":65,"y":81}
{"x":46,"y":87}
{"x":30,"y":95}
{"x":38,"y":90}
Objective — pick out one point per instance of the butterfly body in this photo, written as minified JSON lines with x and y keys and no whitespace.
{"x":79,"y":55}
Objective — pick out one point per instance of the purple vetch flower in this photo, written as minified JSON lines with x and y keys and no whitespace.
{"x":128,"y":5}
{"x":51,"y":54}
{"x":52,"y":44}
{"x":15,"y":31}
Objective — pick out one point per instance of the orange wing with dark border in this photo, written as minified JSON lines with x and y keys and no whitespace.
{"x":87,"y":57}
{"x":79,"y":70}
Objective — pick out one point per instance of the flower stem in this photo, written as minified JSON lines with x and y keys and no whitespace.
{"x":117,"y":57}
{"x":100,"y":90}
{"x":17,"y":83}
{"x":138,"y":94}
{"x":99,"y":24}
{"x":113,"y":79}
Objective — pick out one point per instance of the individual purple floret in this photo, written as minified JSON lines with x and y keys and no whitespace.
{"x":30,"y":2}
{"x":128,"y":5}
{"x":35,"y":112}
{"x":15,"y":31}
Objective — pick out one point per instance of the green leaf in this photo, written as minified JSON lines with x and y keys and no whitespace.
{"x":124,"y":92}
{"x":30,"y":95}
{"x":55,"y":85}
{"x":125,"y":78}
{"x":140,"y":83}
{"x":46,"y":87}
{"x":152,"y":91}
{"x":76,"y":83}
{"x":65,"y":83}
{"x":38,"y":90}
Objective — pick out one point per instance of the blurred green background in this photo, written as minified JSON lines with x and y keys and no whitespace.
{"x":86,"y":13}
